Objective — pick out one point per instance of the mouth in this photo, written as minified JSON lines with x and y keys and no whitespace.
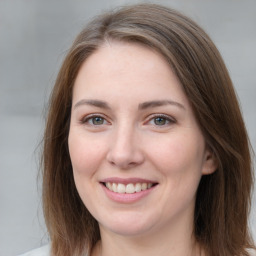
{"x":130,"y":188}
{"x":126,"y":191}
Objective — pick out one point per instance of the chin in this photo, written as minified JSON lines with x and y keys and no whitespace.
{"x":128,"y":225}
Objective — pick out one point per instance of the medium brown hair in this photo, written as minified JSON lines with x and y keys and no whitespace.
{"x":223,"y":198}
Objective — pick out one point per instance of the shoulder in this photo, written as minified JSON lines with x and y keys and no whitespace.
{"x":252,"y":252}
{"x":42,"y":251}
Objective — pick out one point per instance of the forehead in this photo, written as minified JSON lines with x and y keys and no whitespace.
{"x":127,"y":68}
{"x":125,"y":56}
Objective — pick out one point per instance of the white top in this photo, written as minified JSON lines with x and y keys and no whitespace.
{"x":45,"y":251}
{"x":42,"y":251}
{"x":252,"y":252}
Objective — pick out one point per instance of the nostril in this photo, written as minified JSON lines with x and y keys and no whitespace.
{"x":123,"y":162}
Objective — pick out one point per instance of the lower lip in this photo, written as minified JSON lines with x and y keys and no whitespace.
{"x":126,"y":197}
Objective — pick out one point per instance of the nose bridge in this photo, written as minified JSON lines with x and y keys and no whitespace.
{"x":124,"y":150}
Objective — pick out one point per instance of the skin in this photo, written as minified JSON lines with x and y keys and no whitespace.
{"x":124,"y":139}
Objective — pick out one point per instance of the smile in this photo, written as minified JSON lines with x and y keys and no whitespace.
{"x":128,"y":188}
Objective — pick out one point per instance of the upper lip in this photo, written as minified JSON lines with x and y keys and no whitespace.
{"x":126,"y":181}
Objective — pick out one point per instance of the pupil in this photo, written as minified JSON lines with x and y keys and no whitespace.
{"x":97,"y":120}
{"x":160,"y":121}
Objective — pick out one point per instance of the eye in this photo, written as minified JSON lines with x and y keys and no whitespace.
{"x":97,"y":120}
{"x":161,"y":120}
{"x":94,"y":120}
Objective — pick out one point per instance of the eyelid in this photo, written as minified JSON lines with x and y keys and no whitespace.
{"x":170,"y":119}
{"x":86,"y":118}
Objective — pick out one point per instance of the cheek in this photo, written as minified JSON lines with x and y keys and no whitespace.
{"x":179,"y":154}
{"x":85,"y":158}
{"x":85,"y":154}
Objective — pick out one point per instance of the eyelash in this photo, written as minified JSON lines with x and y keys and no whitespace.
{"x":168,"y":120}
{"x":86,"y":119}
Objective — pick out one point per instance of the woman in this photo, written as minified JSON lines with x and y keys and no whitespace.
{"x":145,"y":148}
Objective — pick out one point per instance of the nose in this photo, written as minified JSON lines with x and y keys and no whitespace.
{"x":125,"y":149}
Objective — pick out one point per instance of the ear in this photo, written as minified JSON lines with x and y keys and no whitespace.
{"x":210,"y":163}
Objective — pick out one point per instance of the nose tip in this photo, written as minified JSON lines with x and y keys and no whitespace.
{"x":124,"y":153}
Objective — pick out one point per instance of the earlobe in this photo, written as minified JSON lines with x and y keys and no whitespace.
{"x":210,"y":163}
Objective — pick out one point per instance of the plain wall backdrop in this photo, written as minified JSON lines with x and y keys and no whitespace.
{"x":34,"y":37}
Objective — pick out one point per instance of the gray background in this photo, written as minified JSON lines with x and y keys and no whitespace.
{"x":34,"y":37}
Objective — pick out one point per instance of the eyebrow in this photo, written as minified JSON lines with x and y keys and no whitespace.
{"x":159,"y":103}
{"x":96,"y":103}
{"x":142,"y":106}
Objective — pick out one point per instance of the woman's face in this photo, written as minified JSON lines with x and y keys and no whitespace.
{"x":136,"y":149}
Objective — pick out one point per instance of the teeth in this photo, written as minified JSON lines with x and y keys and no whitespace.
{"x":138,"y":187}
{"x":129,"y":188}
{"x":114,"y":187}
{"x":121,"y":188}
{"x":108,"y":185}
{"x":144,"y":186}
